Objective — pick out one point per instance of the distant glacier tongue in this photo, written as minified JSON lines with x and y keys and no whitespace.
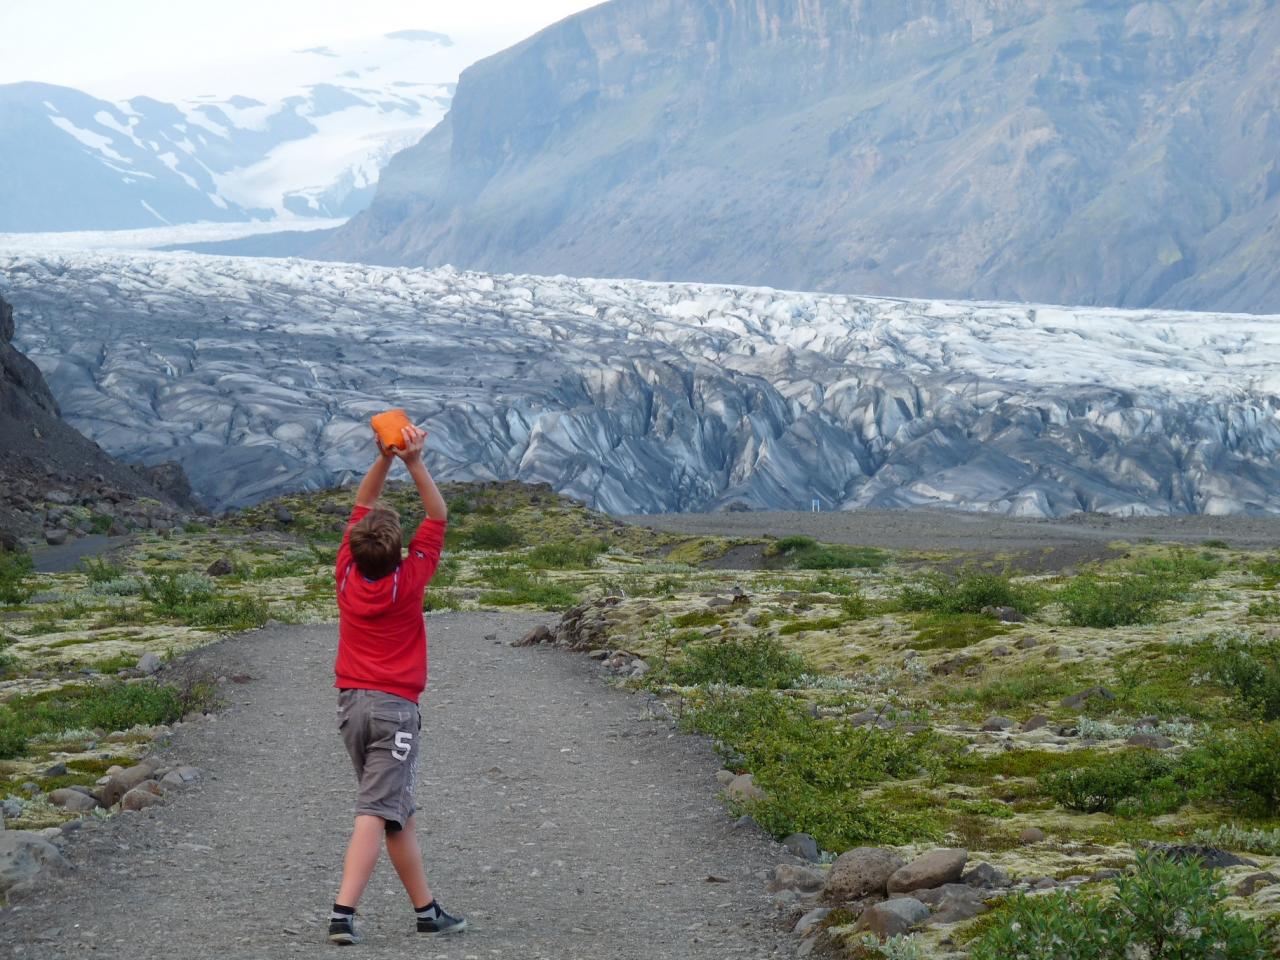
{"x":260,"y":375}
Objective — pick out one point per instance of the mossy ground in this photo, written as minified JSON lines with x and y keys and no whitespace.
{"x":942,"y":670}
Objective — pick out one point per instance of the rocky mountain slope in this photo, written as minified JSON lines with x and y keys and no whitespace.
{"x":305,"y":138}
{"x":1120,"y":154}
{"x":52,"y":479}
{"x":259,"y":376}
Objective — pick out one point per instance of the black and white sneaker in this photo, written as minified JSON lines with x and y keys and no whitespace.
{"x":342,"y":931}
{"x":435,"y":921}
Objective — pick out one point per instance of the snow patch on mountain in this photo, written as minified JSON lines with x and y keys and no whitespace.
{"x":259,"y":376}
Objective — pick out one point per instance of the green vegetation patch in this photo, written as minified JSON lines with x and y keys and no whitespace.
{"x":805,"y":553}
{"x":192,"y":599}
{"x":515,"y":587}
{"x":15,"y":568}
{"x":1163,"y":909}
{"x":815,"y":771}
{"x":760,"y":662}
{"x":970,"y":592}
{"x":953,"y":631}
{"x":565,"y":555}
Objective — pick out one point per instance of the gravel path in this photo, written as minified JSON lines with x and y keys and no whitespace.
{"x":558,"y":817}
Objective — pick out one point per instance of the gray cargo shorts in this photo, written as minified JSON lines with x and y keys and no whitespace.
{"x":381,"y":733}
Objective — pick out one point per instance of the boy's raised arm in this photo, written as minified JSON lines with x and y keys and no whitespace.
{"x":371,"y":486}
{"x":432,"y":501}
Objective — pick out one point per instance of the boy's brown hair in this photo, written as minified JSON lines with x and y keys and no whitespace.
{"x":375,"y":542}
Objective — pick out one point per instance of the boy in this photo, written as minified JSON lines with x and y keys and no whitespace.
{"x":381,"y":670}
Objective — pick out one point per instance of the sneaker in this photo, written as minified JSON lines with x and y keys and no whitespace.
{"x":441,"y":923}
{"x":343,"y":932}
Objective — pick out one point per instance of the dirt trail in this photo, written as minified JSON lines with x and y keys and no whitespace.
{"x":556,"y":817}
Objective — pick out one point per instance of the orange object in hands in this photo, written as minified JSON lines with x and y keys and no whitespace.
{"x":387,"y":425}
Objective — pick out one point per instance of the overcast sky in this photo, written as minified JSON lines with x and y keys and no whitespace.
{"x":121,"y":48}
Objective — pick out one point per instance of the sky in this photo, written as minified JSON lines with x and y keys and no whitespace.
{"x":121,"y":48}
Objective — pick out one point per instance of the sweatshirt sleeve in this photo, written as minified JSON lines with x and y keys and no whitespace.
{"x":424,"y":552}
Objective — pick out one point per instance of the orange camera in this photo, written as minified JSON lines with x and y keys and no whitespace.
{"x":387,"y":425}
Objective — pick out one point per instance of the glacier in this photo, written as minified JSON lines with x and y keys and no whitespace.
{"x":259,"y":376}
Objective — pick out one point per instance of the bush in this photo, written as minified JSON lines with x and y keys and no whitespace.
{"x":1182,"y":566}
{"x":516,"y":587}
{"x":1224,"y":837}
{"x":815,"y":771}
{"x":1092,"y":602}
{"x":1251,"y":671}
{"x":565,"y":555}
{"x":1133,"y":780}
{"x":117,"y":706}
{"x":1242,"y":769}
{"x":969,"y":592}
{"x":952,"y":631}
{"x":100,"y":570}
{"x":15,"y":567}
{"x":191,"y":598}
{"x":1163,"y":910}
{"x":493,"y":536}
{"x":762,"y":662}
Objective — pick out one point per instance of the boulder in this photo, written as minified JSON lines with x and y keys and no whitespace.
{"x":984,"y":875}
{"x":744,"y":787}
{"x":72,"y":800}
{"x":931,"y":869}
{"x":25,"y":859}
{"x":57,"y":770}
{"x":806,"y":924}
{"x":539,"y":634}
{"x":1027,"y":643}
{"x":145,"y":794}
{"x":953,"y":902}
{"x":787,"y":876}
{"x":1255,"y":882}
{"x":1031,"y":835}
{"x":124,"y":781}
{"x":55,"y":537}
{"x":860,"y":872}
{"x":1152,"y":741}
{"x":1003,"y":614}
{"x":803,"y":846}
{"x":1211,"y":857}
{"x":149,"y":663}
{"x":1078,"y":700}
{"x":892,"y":918}
{"x":725,"y":777}
{"x":219,"y":568}
{"x":1034,"y":722}
{"x":283,"y":515}
{"x":996,"y":724}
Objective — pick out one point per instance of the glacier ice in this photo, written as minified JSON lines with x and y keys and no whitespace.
{"x":258,"y":375}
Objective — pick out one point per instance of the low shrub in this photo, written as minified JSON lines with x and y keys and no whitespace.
{"x":100,"y":570}
{"x":804,"y":626}
{"x":492,"y":536}
{"x":805,"y":553}
{"x":1248,"y":840}
{"x":1090,"y":601}
{"x":1251,"y":671}
{"x":1131,"y":781}
{"x":116,"y":706}
{"x":1182,"y":566}
{"x":760,"y":662}
{"x":815,"y":771}
{"x":953,"y":631}
{"x":697,"y":618}
{"x":565,"y":554}
{"x":967,"y":592}
{"x":192,"y":599}
{"x":1162,"y":910}
{"x":515,"y":587}
{"x":1241,"y":769}
{"x":15,"y":567}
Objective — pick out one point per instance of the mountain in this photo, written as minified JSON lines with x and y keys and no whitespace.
{"x":1066,"y":151}
{"x":309,"y":142}
{"x":49,"y":469}
{"x":259,"y":376}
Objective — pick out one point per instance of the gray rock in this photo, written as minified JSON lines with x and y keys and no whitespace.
{"x":892,"y":917}
{"x":930,"y":869}
{"x":121,"y":783}
{"x":986,"y":876}
{"x":1034,"y":722}
{"x":26,"y":858}
{"x":72,"y":800}
{"x":1031,"y":835}
{"x":1003,"y":614}
{"x":809,"y":922}
{"x":172,"y":779}
{"x":57,"y":770}
{"x":145,"y":794}
{"x":952,"y":902}
{"x":149,"y":663}
{"x":1027,"y":643}
{"x":55,"y":537}
{"x":1045,"y":883}
{"x":788,"y":876}
{"x":1077,"y":700}
{"x":995,"y":724}
{"x":1211,"y":857}
{"x":11,"y":807}
{"x":283,"y":514}
{"x":1255,"y":882}
{"x":725,"y":777}
{"x":803,"y":846}
{"x":860,"y":872}
{"x":219,"y":568}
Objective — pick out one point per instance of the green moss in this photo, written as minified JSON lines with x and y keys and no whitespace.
{"x":803,"y":626}
{"x":698,"y":618}
{"x":953,"y":631}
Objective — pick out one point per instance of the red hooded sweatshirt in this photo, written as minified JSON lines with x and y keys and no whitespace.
{"x":382,"y":639}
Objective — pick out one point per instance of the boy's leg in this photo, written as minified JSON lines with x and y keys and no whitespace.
{"x":362,"y":857}
{"x":406,"y":857}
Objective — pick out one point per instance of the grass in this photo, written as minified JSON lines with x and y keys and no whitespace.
{"x":514,"y":587}
{"x":15,"y":568}
{"x":492,"y":536}
{"x":1090,"y":601}
{"x":805,"y":553}
{"x":953,"y":631}
{"x":100,"y":570}
{"x":565,"y":555}
{"x":192,"y":599}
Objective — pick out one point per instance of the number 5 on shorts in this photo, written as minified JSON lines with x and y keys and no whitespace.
{"x":404,"y":741}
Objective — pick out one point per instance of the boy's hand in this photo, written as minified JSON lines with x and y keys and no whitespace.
{"x":414,"y":438}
